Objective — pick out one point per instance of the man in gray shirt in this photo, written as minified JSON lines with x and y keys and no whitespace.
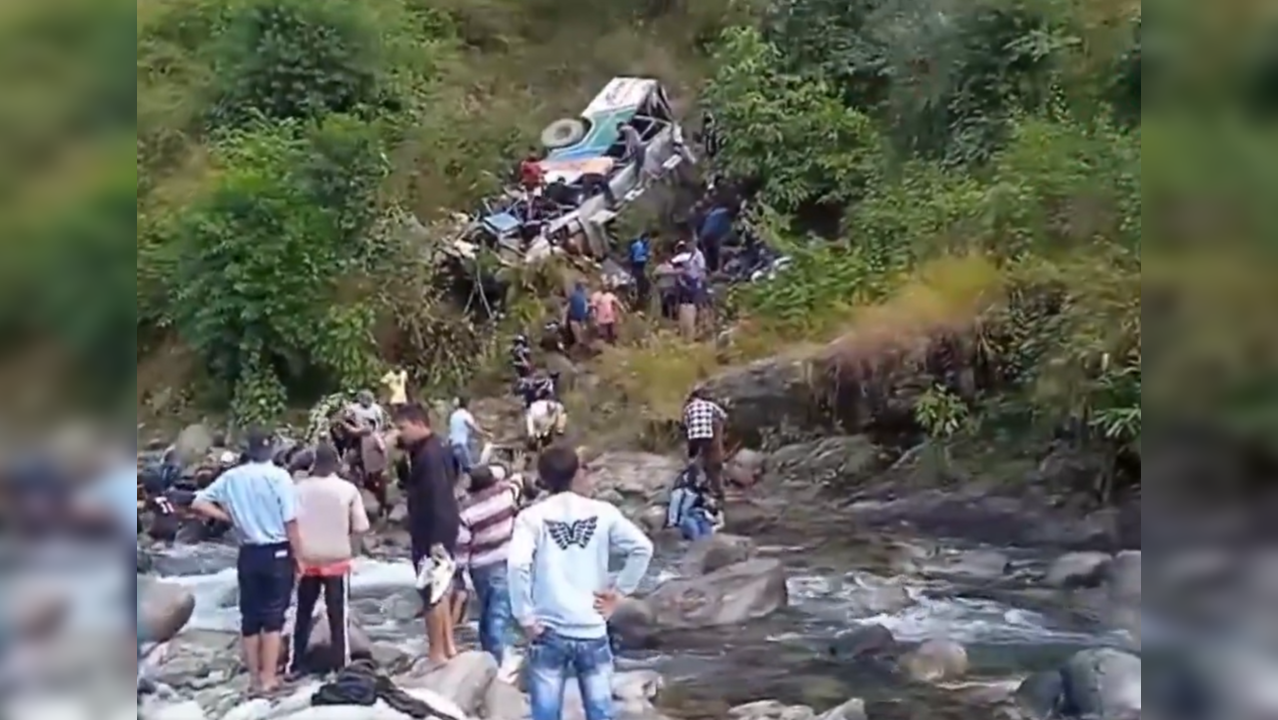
{"x":635,"y":151}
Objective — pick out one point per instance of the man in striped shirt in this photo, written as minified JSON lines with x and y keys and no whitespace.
{"x":487,"y":524}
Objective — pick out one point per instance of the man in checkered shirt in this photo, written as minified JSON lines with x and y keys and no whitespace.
{"x":703,"y":420}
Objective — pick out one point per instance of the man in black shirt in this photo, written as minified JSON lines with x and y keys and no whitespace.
{"x":434,"y":519}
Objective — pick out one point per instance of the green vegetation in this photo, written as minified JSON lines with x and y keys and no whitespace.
{"x":280,"y":147}
{"x":963,"y":187}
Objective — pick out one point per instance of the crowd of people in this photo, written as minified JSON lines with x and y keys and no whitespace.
{"x":542,"y":569}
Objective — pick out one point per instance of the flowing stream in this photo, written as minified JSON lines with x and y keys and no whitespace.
{"x":786,"y":657}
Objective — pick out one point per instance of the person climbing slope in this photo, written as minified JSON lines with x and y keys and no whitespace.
{"x":544,"y":421}
{"x":703,"y":422}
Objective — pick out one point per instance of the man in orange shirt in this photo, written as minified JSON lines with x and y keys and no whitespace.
{"x":606,"y":308}
{"x":330,"y":514}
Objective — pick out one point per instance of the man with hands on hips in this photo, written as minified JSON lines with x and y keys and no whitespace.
{"x":561,"y":591}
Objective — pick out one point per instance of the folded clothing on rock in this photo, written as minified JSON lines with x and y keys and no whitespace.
{"x":361,"y":684}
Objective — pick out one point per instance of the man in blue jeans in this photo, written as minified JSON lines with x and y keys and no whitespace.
{"x":483,"y":547}
{"x":462,"y":431}
{"x":258,"y":498}
{"x":692,"y":509}
{"x":561,"y":591}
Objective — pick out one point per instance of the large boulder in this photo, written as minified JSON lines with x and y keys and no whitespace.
{"x":1102,"y":683}
{"x":842,"y":460}
{"x":764,"y":396}
{"x":1079,"y":570}
{"x":715,"y":553}
{"x":193,"y":444}
{"x":165,"y":609}
{"x":867,"y":642}
{"x":634,"y":477}
{"x":503,"y":701}
{"x":936,"y":661}
{"x":745,"y":469}
{"x":733,"y":595}
{"x":464,"y":680}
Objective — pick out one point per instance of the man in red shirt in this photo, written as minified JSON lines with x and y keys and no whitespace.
{"x":531,"y":174}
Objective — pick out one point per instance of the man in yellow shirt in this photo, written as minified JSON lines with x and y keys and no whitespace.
{"x":396,"y":383}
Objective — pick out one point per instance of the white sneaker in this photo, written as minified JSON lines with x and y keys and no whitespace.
{"x":435,"y":575}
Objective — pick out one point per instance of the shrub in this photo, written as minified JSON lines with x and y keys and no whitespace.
{"x":266,"y":256}
{"x":304,"y":59}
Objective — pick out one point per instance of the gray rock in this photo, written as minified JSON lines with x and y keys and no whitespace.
{"x":634,"y":624}
{"x":193,"y":444}
{"x":736,"y":594}
{"x":980,"y":565}
{"x":936,"y":661}
{"x":165,"y":608}
{"x":771,"y":710}
{"x":845,"y":460}
{"x":1041,"y":694}
{"x":1102,"y":683}
{"x":504,"y":702}
{"x":763,"y":396}
{"x":636,"y":478}
{"x":853,"y":709}
{"x":864,"y":643}
{"x":867,"y":596}
{"x":1123,"y":578}
{"x":715,"y":553}
{"x":1079,"y":570}
{"x":464,"y":680}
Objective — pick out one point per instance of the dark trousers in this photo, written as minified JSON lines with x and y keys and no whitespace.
{"x":703,"y":449}
{"x":643,"y":288}
{"x":266,"y":575}
{"x":336,"y":607}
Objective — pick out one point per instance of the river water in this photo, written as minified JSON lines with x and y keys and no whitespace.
{"x":786,"y":657}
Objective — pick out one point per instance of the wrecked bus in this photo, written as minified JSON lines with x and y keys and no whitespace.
{"x":581,"y":153}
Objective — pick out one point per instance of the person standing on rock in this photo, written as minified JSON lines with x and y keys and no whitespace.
{"x":396,"y":383}
{"x":259,"y":500}
{"x":640,"y":253}
{"x":703,"y":421}
{"x":605,"y":307}
{"x":330,"y":516}
{"x":579,"y":315}
{"x":462,"y":430}
{"x":487,"y":524}
{"x":434,"y":521}
{"x":562,"y":593}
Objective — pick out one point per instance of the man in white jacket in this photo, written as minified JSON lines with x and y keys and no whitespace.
{"x":561,"y":591}
{"x":545,"y":420}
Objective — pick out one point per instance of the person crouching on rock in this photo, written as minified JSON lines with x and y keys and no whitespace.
{"x":487,"y":523}
{"x":693,"y":510}
{"x":258,"y":498}
{"x":544,"y":421}
{"x":330,"y":515}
